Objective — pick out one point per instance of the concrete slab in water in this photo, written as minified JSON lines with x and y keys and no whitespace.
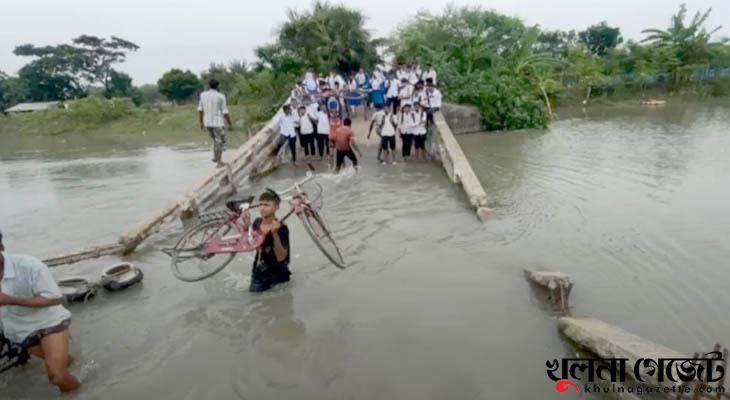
{"x":609,"y":341}
{"x":550,"y":279}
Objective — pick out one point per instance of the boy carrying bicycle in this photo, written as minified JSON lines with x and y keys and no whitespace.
{"x":271,"y":264}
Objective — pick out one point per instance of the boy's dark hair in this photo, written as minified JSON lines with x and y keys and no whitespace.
{"x":379,"y":107}
{"x":270,"y":195}
{"x":347,"y":121}
{"x":429,"y":81}
{"x":213,"y":84}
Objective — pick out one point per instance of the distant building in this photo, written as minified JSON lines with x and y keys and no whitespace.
{"x":30,"y":107}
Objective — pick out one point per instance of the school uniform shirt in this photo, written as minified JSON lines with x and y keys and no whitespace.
{"x":413,"y":78}
{"x":393,"y":88}
{"x":430,"y":74}
{"x":407,"y":122}
{"x":405,"y":92}
{"x":420,"y":97}
{"x":331,"y":80}
{"x":287,"y":125}
{"x":313,"y":110}
{"x":306,"y":127}
{"x":361,"y":78}
{"x":323,"y":123}
{"x":389,"y":125}
{"x":420,"y":123}
{"x":401,"y":74}
{"x":435,"y":98}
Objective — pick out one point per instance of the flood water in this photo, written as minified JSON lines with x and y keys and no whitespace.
{"x":434,"y":304}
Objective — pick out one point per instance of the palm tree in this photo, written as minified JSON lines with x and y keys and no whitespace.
{"x":690,"y":43}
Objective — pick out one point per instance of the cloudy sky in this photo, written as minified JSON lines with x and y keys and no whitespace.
{"x":190,"y":34}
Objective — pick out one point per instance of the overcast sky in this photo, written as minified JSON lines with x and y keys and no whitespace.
{"x":190,"y":34}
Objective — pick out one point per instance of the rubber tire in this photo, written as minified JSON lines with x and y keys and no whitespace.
{"x":305,"y":217}
{"x":114,"y":285}
{"x":189,"y":232}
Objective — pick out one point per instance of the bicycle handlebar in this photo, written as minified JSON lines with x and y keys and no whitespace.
{"x":295,"y":186}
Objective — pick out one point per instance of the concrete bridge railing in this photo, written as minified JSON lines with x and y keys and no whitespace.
{"x":446,"y":150}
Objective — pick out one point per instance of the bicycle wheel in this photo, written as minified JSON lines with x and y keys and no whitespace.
{"x":190,"y":260}
{"x":316,"y":227}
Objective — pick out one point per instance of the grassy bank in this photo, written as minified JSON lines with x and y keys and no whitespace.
{"x":62,"y":130}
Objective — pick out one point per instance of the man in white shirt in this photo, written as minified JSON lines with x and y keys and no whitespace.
{"x":405,"y":93}
{"x":213,"y":116}
{"x":32,"y":316}
{"x":287,"y":133}
{"x":361,"y":78}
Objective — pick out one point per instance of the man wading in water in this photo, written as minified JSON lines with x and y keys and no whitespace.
{"x":212,"y":112}
{"x":32,"y":315}
{"x":271,"y":265}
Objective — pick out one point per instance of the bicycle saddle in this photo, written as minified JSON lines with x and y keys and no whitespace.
{"x":235,"y":204}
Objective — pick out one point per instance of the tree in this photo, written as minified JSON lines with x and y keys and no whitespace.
{"x":586,"y":69}
{"x":178,"y":85}
{"x":47,"y":80}
{"x":88,"y":58}
{"x":12,"y":91}
{"x":98,"y":55}
{"x":226,"y":75}
{"x":690,"y":43}
{"x":327,"y":37}
{"x":600,"y":38}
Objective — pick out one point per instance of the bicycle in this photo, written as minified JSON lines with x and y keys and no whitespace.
{"x":218,"y":237}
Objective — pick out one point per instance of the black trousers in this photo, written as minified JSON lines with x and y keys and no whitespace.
{"x":407,"y":139}
{"x":393,"y":102}
{"x":308,"y":144}
{"x":291,"y":141}
{"x":341,"y":154}
{"x":323,"y":142}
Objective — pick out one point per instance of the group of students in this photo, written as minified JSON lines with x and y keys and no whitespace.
{"x":405,"y":99}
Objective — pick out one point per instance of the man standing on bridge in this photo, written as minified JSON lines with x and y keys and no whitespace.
{"x":32,"y":315}
{"x":212,"y":113}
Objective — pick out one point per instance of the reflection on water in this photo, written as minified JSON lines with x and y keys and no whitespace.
{"x":434,"y":304}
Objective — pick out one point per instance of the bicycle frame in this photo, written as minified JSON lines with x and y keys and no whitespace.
{"x":244,"y":238}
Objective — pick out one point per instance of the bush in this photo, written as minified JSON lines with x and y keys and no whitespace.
{"x":98,"y":110}
{"x":508,"y":103}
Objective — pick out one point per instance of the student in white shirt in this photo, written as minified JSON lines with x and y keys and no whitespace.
{"x":434,"y":99}
{"x":333,"y":78}
{"x":413,"y":76}
{"x":287,"y":133}
{"x":406,"y":125}
{"x":391,"y":95}
{"x":430,"y":73}
{"x":306,"y":136}
{"x":213,"y":116}
{"x":419,"y":132}
{"x":386,"y":127}
{"x":361,"y":78}
{"x":323,"y":133}
{"x":405,"y":92}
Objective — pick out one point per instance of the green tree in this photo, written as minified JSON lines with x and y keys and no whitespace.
{"x":600,"y":38}
{"x":47,"y":80}
{"x":689,"y":43}
{"x":586,"y":69}
{"x":12,"y":91}
{"x":88,"y":58}
{"x":178,"y":85}
{"x":327,"y":37}
{"x":225,"y":74}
